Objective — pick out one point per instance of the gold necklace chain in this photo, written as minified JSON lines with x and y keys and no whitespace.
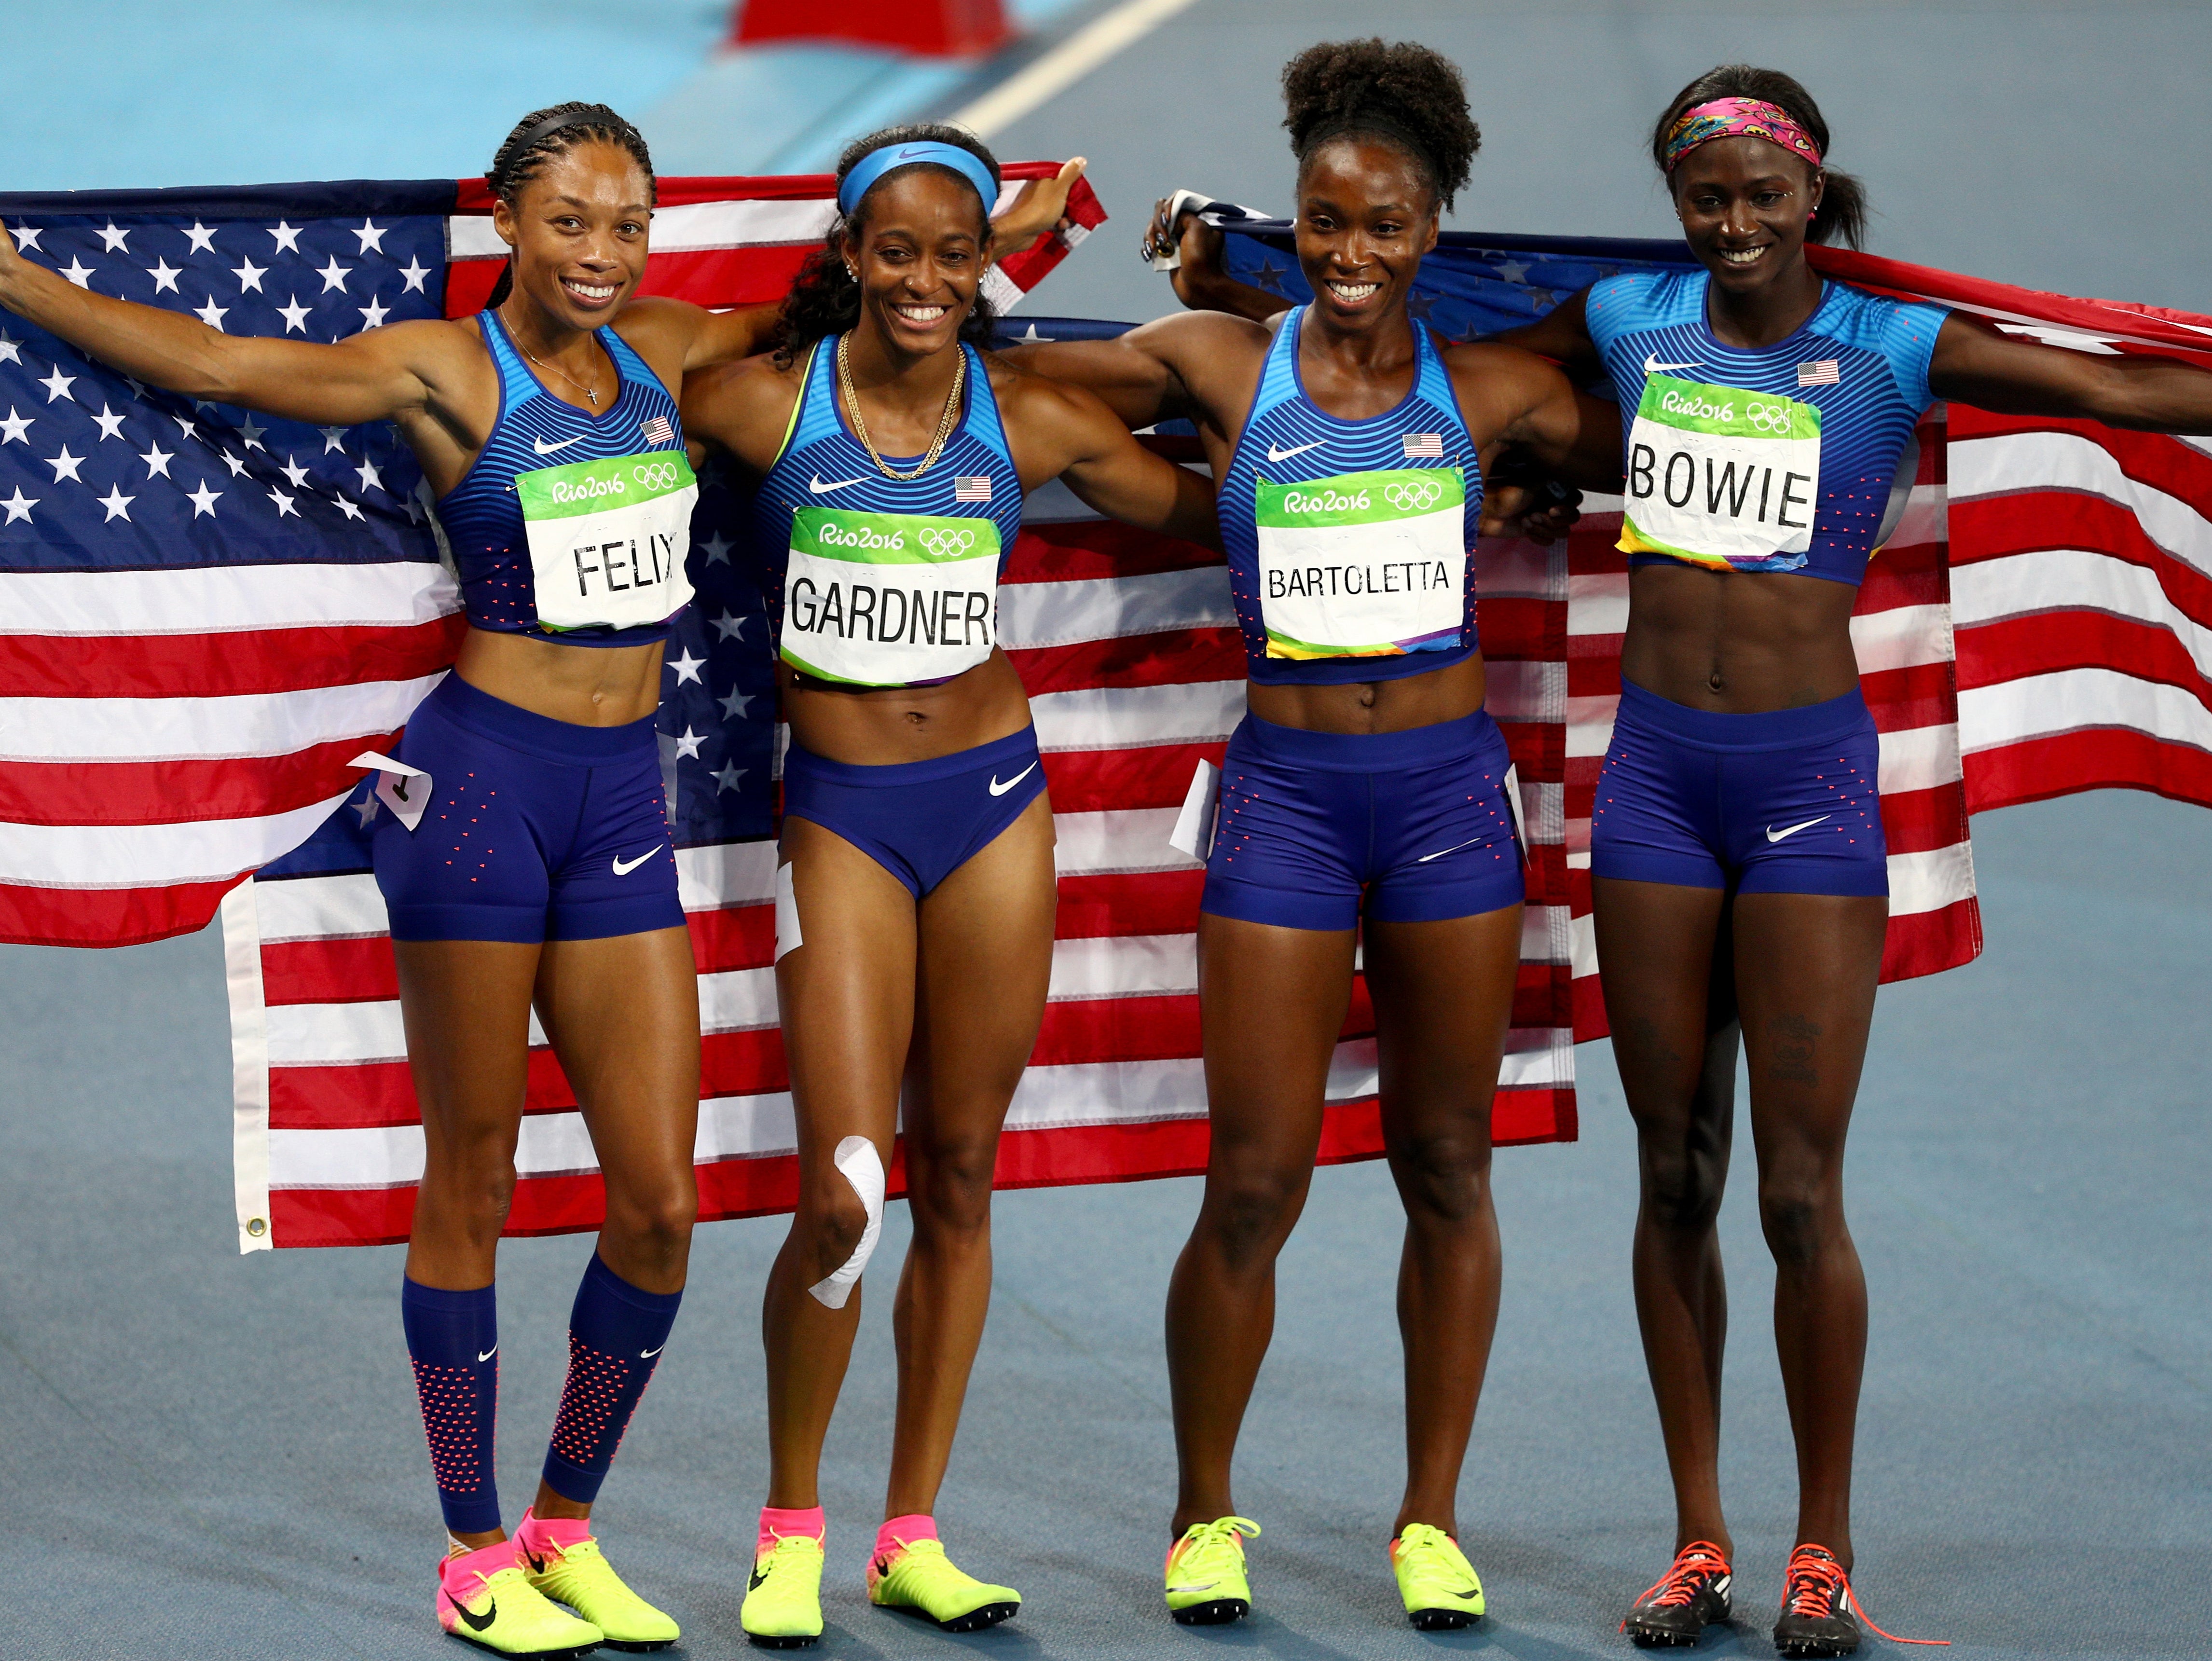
{"x":946,"y":423}
{"x":591,"y":392}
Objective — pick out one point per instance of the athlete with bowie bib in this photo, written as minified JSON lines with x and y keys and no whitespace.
{"x":916,"y":897}
{"x":532,"y":867}
{"x":1364,"y":795}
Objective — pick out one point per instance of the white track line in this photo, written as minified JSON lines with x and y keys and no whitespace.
{"x":1064,"y":64}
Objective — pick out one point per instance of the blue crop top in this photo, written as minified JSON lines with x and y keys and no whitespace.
{"x":1795,"y":457}
{"x":877,"y":581}
{"x":1348,"y":541}
{"x":572,"y":527}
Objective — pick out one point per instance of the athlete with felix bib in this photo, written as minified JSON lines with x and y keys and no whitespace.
{"x":1363,"y":801}
{"x":916,"y":901}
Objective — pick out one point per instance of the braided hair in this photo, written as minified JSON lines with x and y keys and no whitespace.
{"x":542,"y":136}
{"x":824,"y":299}
{"x":1843,"y":212}
{"x":1406,"y":95}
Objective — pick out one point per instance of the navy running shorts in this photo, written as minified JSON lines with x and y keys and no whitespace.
{"x":1315,"y":828}
{"x":920,"y":820}
{"x":1785,"y":802}
{"x":536,"y":830}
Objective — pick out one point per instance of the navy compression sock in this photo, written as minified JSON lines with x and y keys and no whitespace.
{"x":616,"y":1334}
{"x":452,"y":1338}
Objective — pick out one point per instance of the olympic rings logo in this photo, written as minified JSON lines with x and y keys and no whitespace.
{"x":947,"y":544}
{"x":1769,"y":417}
{"x":1418,"y":496}
{"x":655,"y":475}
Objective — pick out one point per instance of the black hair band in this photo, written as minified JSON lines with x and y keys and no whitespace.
{"x":551,"y":125}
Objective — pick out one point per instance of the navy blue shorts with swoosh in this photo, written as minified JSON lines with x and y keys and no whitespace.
{"x":920,"y":820}
{"x":537,"y":829}
{"x":1785,"y":802}
{"x":1316,"y":830}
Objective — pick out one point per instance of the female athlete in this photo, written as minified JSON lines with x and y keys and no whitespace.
{"x":1737,"y":847}
{"x":916,"y":896}
{"x":542,"y":766}
{"x":1363,"y":798}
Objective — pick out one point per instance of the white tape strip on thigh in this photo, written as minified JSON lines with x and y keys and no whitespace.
{"x":787,"y":916}
{"x":856,"y":1157}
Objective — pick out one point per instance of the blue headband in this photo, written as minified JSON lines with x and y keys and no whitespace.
{"x":876,"y":163}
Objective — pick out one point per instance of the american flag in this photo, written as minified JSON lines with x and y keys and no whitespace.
{"x":1826,"y":373}
{"x":1425,"y":444}
{"x":971,"y":487}
{"x":2035,"y":626}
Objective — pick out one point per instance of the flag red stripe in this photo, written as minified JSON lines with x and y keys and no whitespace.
{"x":2097,"y":759}
{"x":107,"y":916}
{"x":179,"y":792}
{"x":222,"y":664}
{"x":1991,"y":654}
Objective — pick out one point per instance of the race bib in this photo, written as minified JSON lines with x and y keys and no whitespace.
{"x":1721,"y":477}
{"x":607,"y":539}
{"x":889,"y":599}
{"x":1364,"y":565}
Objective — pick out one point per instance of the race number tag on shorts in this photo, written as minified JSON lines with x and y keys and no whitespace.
{"x":1721,"y":477}
{"x":889,"y":599}
{"x":1365,"y":564}
{"x":607,"y":539}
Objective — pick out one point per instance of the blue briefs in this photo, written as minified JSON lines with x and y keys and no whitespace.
{"x":536,"y":830}
{"x":1314,"y":828}
{"x":920,"y":820}
{"x":1785,"y":802}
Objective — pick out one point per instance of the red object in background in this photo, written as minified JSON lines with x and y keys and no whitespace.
{"x":934,"y":29}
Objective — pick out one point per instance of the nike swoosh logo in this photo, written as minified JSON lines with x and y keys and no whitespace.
{"x":545,"y":449}
{"x":819,"y":489}
{"x":1454,"y":848}
{"x":536,"y":1564}
{"x":759,"y":1579}
{"x":999,"y":789}
{"x":1653,"y":366}
{"x":1772,"y":835}
{"x":623,"y":870}
{"x":1469,"y":1596}
{"x":487,"y":1355}
{"x":1274,"y":454}
{"x":1208,"y":1586}
{"x":478,"y":1622}
{"x":647,"y":1354}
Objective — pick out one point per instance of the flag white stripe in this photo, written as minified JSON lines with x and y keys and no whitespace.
{"x":2073,"y":579}
{"x":2080,"y":700}
{"x":242,"y":726}
{"x":223,"y":598}
{"x":145,"y":855}
{"x":1985,"y":467}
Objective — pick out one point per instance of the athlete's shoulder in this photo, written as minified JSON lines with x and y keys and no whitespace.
{"x":1628,"y":301}
{"x":1901,"y":331}
{"x":744,"y":407}
{"x":1189,"y":339}
{"x":654,"y":322}
{"x":1030,"y":402}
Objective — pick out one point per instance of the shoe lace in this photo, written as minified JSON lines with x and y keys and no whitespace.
{"x":1816,"y":1580}
{"x":792,"y":1544}
{"x":1206,"y":1539}
{"x":1699,"y":1561}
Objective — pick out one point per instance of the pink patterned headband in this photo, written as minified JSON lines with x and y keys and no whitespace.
{"x":1738,"y":117}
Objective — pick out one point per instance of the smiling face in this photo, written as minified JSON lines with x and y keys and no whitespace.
{"x":1744,"y":204}
{"x":579,"y":232}
{"x":918,"y":251}
{"x":1366,"y":214}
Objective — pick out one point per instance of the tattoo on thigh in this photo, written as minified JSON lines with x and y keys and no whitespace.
{"x":1649,"y":1043}
{"x":1794,"y":1039}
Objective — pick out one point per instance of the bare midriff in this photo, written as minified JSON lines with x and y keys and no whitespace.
{"x":1373,"y":706}
{"x":1739,"y":643}
{"x":885,"y":725}
{"x":586,"y":685}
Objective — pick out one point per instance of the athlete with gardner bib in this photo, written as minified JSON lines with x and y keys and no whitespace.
{"x":1363,"y":797}
{"x":916,"y":896}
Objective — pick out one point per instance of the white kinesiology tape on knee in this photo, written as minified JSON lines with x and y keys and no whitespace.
{"x":857,"y":1158}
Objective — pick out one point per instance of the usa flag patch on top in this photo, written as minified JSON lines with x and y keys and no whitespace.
{"x":971,"y":487}
{"x":657,"y":430}
{"x":1826,"y":372}
{"x":1425,"y":444}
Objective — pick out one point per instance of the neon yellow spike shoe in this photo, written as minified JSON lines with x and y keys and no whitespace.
{"x":1439,"y":1586}
{"x":783,"y":1600}
{"x":916,"y":1575}
{"x":1205,"y":1581}
{"x":483,"y":1599}
{"x":561,"y":1560}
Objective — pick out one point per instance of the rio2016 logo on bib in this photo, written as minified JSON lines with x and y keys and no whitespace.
{"x":1364,"y":564}
{"x":607,"y":539}
{"x":1721,"y":476}
{"x":889,"y":599}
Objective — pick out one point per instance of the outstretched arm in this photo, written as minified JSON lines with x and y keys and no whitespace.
{"x":1561,"y":335}
{"x":1065,"y":432}
{"x":1514,"y":396}
{"x":1975,"y":364}
{"x":1170,"y":368}
{"x":374,"y":376}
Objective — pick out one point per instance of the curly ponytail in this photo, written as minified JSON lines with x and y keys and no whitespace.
{"x":824,"y":299}
{"x":1842,"y":213}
